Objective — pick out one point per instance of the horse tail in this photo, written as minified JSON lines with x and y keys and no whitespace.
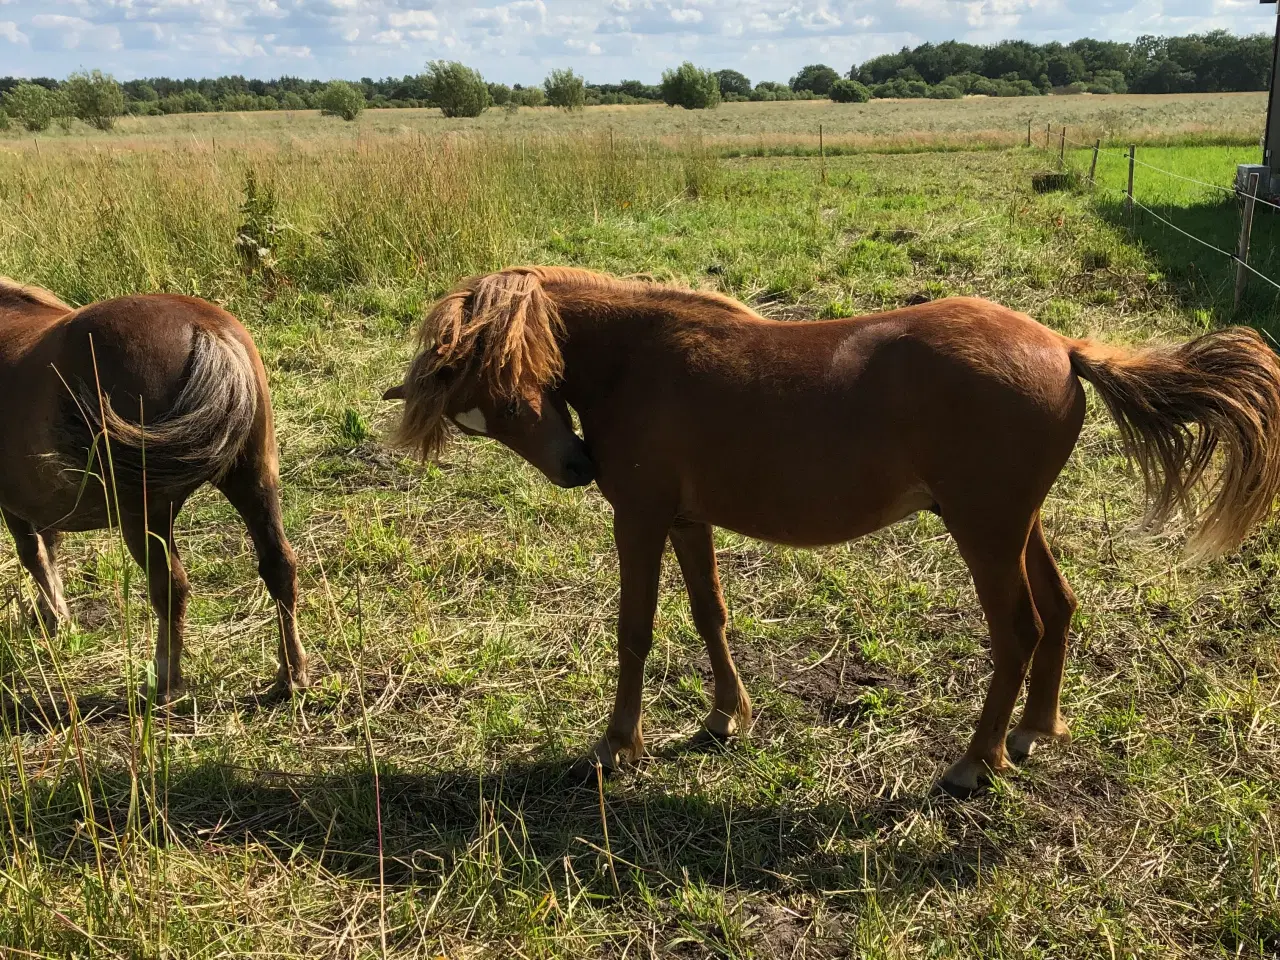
{"x":1179,"y":406}
{"x":197,"y":440}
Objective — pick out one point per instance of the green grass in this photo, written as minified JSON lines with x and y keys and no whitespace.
{"x":460,"y":615}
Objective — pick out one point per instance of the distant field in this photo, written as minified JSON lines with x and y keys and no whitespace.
{"x":460,"y":615}
{"x":748,"y":127}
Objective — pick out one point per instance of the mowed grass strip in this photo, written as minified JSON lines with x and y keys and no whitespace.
{"x":460,"y":614}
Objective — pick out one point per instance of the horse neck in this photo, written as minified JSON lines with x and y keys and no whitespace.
{"x":595,"y":347}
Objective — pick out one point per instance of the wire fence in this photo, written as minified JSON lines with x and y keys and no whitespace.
{"x":1240,"y":257}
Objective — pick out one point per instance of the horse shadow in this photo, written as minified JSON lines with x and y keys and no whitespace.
{"x":425,"y":823}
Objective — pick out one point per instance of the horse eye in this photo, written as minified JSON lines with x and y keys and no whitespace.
{"x":512,"y":409}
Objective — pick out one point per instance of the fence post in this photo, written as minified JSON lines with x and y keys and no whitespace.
{"x":822,"y":155}
{"x":1028,"y":132}
{"x":1246,"y":231}
{"x":1062,"y":150}
{"x":1128,"y":197}
{"x":1093,"y":167}
{"x":1048,"y":129}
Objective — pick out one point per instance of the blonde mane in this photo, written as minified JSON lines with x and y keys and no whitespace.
{"x":36,"y":296}
{"x":502,"y":331}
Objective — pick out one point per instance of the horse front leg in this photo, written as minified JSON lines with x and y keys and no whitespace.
{"x":694,"y":544}
{"x":640,"y":542}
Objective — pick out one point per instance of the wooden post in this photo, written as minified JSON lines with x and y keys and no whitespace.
{"x":1246,"y":231}
{"x":1093,"y":167}
{"x":1028,"y":132}
{"x":1128,"y":197}
{"x":822,"y":155}
{"x":1048,"y":129}
{"x":1062,"y":150}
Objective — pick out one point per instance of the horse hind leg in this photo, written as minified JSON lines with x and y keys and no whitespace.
{"x":1041,"y":720}
{"x":253,"y":488}
{"x":1004,"y":590}
{"x":695,"y":549}
{"x":38,"y":553}
{"x":153,"y":548}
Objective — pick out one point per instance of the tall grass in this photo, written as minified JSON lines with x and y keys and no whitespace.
{"x":92,"y":224}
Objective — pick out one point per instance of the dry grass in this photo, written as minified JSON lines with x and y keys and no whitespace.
{"x":882,"y":125}
{"x":460,"y":615}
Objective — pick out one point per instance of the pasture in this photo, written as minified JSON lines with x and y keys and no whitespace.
{"x":460,"y":615}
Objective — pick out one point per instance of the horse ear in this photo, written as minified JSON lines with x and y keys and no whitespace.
{"x":394,"y":393}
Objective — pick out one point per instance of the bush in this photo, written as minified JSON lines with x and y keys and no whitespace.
{"x":691,"y":88}
{"x":565,"y":89}
{"x":849,"y":91}
{"x":529,"y":97}
{"x":457,"y":90}
{"x":292,"y":101}
{"x":4,"y":120}
{"x":341,"y":99}
{"x":945,"y":91}
{"x":238,"y":102}
{"x":95,"y":98}
{"x":31,"y":105}
{"x":499,"y":94}
{"x":900,"y":89}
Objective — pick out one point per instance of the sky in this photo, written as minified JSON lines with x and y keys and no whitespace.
{"x":519,"y":41}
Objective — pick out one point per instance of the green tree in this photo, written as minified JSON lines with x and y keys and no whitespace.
{"x":292,"y":101}
{"x":456,"y":89}
{"x":817,"y":77}
{"x":95,"y":98}
{"x":565,"y":89}
{"x":31,"y":105}
{"x":850,"y":91}
{"x":499,"y":94}
{"x":691,"y":88}
{"x":731,"y":81}
{"x":341,"y":99}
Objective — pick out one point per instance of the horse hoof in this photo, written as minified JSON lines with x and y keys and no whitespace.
{"x":966,"y":778}
{"x":1020,"y":743}
{"x":285,"y":687}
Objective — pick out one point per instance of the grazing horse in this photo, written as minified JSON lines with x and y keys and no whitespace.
{"x":696,"y":412}
{"x":115,"y":414}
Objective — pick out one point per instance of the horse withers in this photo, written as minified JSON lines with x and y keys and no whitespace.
{"x":696,"y":412}
{"x":115,"y":414}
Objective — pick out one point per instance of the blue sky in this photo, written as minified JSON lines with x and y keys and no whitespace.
{"x":520,"y":41}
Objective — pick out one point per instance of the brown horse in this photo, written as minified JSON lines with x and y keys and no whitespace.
{"x":698,"y":412}
{"x":115,"y":414}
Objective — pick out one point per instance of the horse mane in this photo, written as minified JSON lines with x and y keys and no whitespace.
{"x":501,"y":331}
{"x":36,"y":296}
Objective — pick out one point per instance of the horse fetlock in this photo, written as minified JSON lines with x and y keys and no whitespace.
{"x":291,"y":678}
{"x":730,"y":720}
{"x":1025,"y":740}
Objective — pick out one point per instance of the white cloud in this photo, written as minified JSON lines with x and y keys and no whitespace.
{"x":9,"y":31}
{"x":520,"y":40}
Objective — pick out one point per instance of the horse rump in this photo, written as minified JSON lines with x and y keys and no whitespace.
{"x":196,"y":440}
{"x":1181,"y":409}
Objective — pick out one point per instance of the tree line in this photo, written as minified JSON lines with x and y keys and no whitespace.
{"x":1211,"y":62}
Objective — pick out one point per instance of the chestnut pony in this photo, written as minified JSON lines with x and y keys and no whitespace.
{"x":115,"y":414}
{"x":696,"y":412}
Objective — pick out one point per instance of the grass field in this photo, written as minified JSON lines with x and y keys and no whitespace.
{"x":735,"y":128}
{"x":460,"y":614}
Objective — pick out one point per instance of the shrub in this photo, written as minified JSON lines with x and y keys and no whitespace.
{"x":341,"y":99}
{"x":849,"y":91}
{"x":95,"y":98}
{"x":691,"y":88}
{"x":499,"y":94}
{"x":565,"y":89}
{"x":945,"y":91}
{"x":238,"y":102}
{"x":529,"y":97}
{"x":4,"y":120}
{"x":456,"y":89}
{"x":292,"y":101}
{"x":31,"y":105}
{"x":900,"y":89}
